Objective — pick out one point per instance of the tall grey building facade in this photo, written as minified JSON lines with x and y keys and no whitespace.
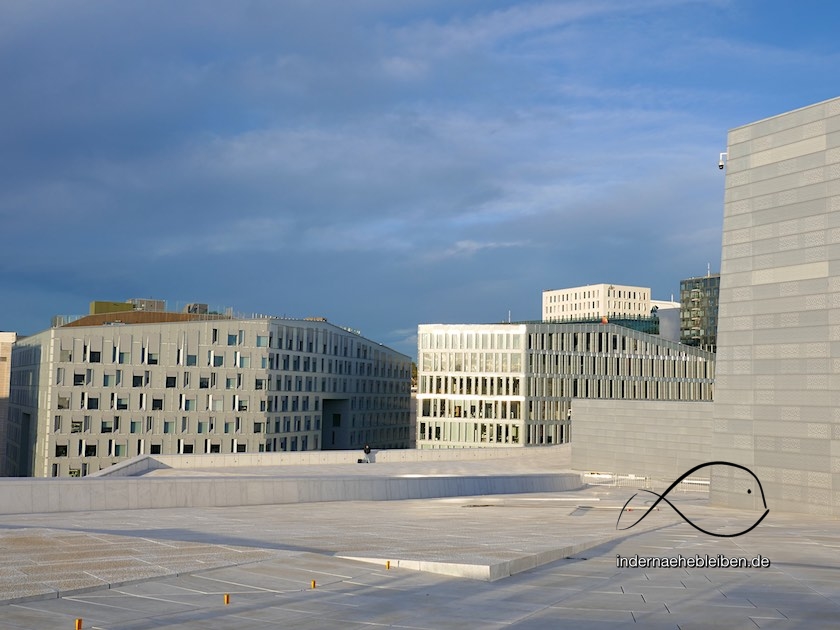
{"x":93,"y":393}
{"x":777,"y":395}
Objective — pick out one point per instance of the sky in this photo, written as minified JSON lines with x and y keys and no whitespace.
{"x":380,"y":163}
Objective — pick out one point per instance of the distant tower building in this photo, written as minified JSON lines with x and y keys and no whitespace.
{"x":699,"y":311}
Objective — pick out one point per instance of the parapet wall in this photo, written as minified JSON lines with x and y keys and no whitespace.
{"x":144,"y":463}
{"x":230,"y":489}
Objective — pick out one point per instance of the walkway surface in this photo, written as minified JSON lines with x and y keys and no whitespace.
{"x":534,"y":561}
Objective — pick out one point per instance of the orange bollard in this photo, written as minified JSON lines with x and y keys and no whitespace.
{"x":227,"y":599}
{"x":387,"y":564}
{"x":78,"y":624}
{"x":313,"y":583}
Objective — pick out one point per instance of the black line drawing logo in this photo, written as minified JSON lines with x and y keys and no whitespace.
{"x":662,"y":497}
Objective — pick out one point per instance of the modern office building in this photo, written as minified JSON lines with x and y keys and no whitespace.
{"x":699,"y":298}
{"x":7,"y":340}
{"x":487,"y":385}
{"x":112,"y":386}
{"x":594,"y":301}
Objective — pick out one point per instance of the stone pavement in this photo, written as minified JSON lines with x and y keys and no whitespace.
{"x":169,"y":568}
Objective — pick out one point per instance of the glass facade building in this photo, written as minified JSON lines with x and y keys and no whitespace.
{"x":699,"y":299}
{"x":487,"y":385}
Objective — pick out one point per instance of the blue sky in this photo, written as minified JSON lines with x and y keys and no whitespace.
{"x":381,"y":163}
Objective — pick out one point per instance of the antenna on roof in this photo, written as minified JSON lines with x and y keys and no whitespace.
{"x":708,"y":269}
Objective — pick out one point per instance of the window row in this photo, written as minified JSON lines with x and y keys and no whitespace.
{"x":151,"y":424}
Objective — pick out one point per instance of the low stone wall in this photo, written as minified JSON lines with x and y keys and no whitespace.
{"x":29,"y":495}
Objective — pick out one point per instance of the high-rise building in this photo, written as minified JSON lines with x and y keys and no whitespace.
{"x":699,"y":299}
{"x":109,"y":387}
{"x":487,"y":385}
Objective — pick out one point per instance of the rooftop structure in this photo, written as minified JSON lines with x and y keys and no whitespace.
{"x":476,"y":560}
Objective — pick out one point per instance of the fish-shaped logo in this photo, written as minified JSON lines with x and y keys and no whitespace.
{"x":663,"y":497}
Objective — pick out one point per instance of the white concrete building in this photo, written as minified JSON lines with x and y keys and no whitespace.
{"x":594,"y":301}
{"x":668,"y":313}
{"x":485,"y":385}
{"x":107,"y":388}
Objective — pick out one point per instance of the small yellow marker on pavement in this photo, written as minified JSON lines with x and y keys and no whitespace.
{"x":78,"y":624}
{"x":388,"y":564}
{"x":227,"y":599}
{"x":313,"y":583}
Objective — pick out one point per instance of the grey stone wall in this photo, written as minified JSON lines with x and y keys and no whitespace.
{"x":645,"y":438}
{"x":777,"y":384}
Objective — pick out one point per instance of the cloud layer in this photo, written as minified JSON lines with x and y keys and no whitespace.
{"x":383,"y":164}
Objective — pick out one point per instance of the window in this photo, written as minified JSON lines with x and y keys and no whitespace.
{"x":122,"y":403}
{"x":189,"y":404}
{"x":192,"y":360}
{"x":262,"y":341}
{"x":258,"y":427}
{"x":154,"y":449}
{"x":230,"y":383}
{"x":137,"y":381}
{"x":90,"y":450}
{"x":95,"y":356}
{"x":106,"y":426}
{"x":61,"y":450}
{"x":119,"y":450}
{"x":108,"y":380}
{"x":169,"y":426}
{"x":66,"y":356}
{"x":93,"y":403}
{"x":215,"y":448}
{"x":125,"y":357}
{"x":232,"y":339}
{"x":240,"y":448}
{"x":218,"y":360}
{"x":244,"y":362}
{"x":260,"y":383}
{"x":188,"y":449}
{"x":157,"y":404}
{"x":170,"y":381}
{"x":134,"y":427}
{"x":78,"y":379}
{"x":64,"y":402}
{"x":204,"y":382}
{"x":154,"y":358}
